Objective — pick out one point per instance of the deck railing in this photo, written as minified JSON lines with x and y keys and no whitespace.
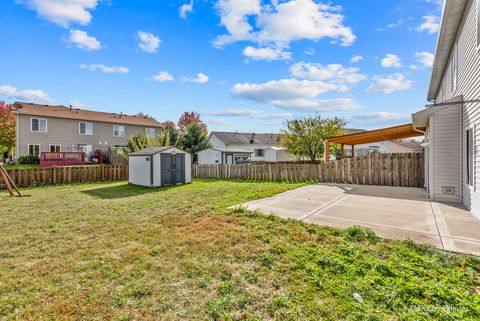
{"x":48,"y":159}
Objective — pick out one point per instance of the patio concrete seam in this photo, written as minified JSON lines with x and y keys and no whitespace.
{"x":436,"y":225}
{"x":320,"y":209}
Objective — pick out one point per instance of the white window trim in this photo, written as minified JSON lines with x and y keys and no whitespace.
{"x":79,"y":126}
{"x":471,"y":182}
{"x":113,"y":131}
{"x":255,"y":152}
{"x":50,"y":145}
{"x":39,"y":149}
{"x":39,"y":131}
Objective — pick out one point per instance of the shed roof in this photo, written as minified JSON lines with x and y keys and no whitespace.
{"x":81,"y":114}
{"x":154,"y":150}
{"x":227,"y":150}
{"x":377,"y":135}
{"x":233,"y":138}
{"x":412,"y":145}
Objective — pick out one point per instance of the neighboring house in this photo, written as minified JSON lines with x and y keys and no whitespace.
{"x":43,"y":128}
{"x":234,"y":147}
{"x":452,"y":124}
{"x":390,"y":146}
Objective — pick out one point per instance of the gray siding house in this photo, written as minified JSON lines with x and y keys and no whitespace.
{"x":226,"y":146}
{"x":44,"y":128}
{"x":452,"y":124}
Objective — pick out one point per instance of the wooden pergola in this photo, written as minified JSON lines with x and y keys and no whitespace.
{"x":371,"y":136}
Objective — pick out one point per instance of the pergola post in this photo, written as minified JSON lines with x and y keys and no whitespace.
{"x":326,"y":151}
{"x":353,"y":151}
{"x":342,"y":151}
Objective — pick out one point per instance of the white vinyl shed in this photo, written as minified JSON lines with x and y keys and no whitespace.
{"x":278,"y":154}
{"x":159,"y":166}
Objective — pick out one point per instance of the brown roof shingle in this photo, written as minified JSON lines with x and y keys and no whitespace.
{"x":81,"y":114}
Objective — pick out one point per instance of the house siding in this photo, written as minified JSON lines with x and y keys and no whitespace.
{"x":65,"y":132}
{"x":468,"y":87}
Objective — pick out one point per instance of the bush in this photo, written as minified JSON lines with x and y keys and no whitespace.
{"x":28,"y":160}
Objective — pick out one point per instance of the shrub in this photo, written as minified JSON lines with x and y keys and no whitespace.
{"x":28,"y":160}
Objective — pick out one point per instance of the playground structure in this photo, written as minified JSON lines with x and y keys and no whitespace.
{"x":8,"y":182}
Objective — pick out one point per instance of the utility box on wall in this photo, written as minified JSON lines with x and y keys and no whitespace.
{"x":159,"y":166}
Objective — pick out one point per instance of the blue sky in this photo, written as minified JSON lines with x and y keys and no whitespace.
{"x":244,"y":65}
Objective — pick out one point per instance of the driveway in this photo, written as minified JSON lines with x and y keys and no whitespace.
{"x":392,"y":212}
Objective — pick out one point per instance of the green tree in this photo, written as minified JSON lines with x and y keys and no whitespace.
{"x":303,"y":136}
{"x":193,"y":140}
{"x":7,"y":129}
{"x":141,"y":141}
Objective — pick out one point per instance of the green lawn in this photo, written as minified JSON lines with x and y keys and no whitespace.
{"x":112,"y":251}
{"x":20,"y":166}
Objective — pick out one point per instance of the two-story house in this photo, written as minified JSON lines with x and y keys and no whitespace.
{"x":44,"y":128}
{"x":452,"y":124}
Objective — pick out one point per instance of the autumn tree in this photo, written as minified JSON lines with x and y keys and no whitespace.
{"x":7,"y":128}
{"x":304,"y":136}
{"x":171,"y":128}
{"x":189,"y":118}
{"x":193,"y":140}
{"x":143,"y":115}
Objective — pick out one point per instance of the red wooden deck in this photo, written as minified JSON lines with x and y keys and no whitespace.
{"x":61,"y":159}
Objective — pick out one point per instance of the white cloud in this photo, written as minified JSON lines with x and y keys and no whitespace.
{"x":281,"y":22}
{"x":389,"y":84}
{"x":148,"y":42}
{"x":163,"y":76}
{"x":294,"y":94}
{"x":268,"y":54}
{"x":105,"y":69}
{"x":413,"y":67}
{"x":201,"y":78}
{"x":247,"y":112}
{"x":356,"y":59}
{"x":425,"y":58}
{"x":391,"y":61}
{"x":333,"y":72}
{"x":78,"y":104}
{"x":382,"y":116}
{"x":310,"y":51}
{"x":62,"y":13}
{"x":392,"y":25}
{"x":431,"y":24}
{"x":217,"y":121}
{"x":82,"y":40}
{"x":185,"y":9}
{"x":34,"y":95}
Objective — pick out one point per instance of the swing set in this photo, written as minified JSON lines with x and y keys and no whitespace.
{"x":8,"y":182}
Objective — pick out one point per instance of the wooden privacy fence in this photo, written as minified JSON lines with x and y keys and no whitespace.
{"x":378,"y":169}
{"x":27,"y":177}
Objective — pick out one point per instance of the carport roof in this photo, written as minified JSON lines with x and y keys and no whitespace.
{"x":377,"y":135}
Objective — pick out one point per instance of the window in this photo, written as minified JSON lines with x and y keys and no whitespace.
{"x":454,"y":67}
{"x":118,"y":130}
{"x":469,"y":152}
{"x":259,"y":152}
{"x":85,"y":128}
{"x":79,"y":148}
{"x":34,"y":150}
{"x":39,"y":125}
{"x":53,"y":148}
{"x":150,"y":132}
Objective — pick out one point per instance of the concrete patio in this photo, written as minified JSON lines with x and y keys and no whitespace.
{"x":392,"y":212}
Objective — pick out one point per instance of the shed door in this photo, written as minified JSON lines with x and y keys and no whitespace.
{"x":173,"y":169}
